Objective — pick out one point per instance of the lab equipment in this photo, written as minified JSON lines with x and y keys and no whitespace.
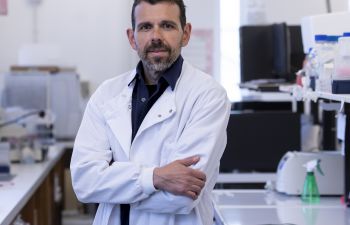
{"x":326,"y":64}
{"x":4,"y":160}
{"x":24,"y":131}
{"x":57,"y":93}
{"x":291,"y":173}
{"x":312,"y":61}
{"x":341,"y":75}
{"x":331,"y":24}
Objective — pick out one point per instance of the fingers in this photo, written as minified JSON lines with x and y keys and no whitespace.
{"x":191,"y":195}
{"x":196,"y":189}
{"x":198,"y":174}
{"x":189,"y":160}
{"x":179,"y":178}
{"x":198,"y":183}
{"x":192,"y":190}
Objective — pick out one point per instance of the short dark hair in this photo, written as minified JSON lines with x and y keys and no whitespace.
{"x":179,"y":3}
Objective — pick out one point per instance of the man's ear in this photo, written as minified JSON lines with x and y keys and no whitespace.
{"x":187,"y":34}
{"x":131,"y":38}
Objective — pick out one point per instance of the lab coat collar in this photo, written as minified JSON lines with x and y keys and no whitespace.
{"x":118,"y":114}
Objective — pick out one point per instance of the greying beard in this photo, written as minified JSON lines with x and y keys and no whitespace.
{"x":158,"y":66}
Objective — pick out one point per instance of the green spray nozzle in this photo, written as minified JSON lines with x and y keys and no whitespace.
{"x":314,"y":164}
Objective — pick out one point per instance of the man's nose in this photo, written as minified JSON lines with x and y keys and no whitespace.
{"x":156,"y":34}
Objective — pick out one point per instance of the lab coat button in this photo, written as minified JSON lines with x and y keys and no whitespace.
{"x":143,"y":99}
{"x":170,"y":111}
{"x":159,"y":116}
{"x":129,"y":106}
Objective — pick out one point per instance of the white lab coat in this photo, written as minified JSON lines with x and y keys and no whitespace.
{"x":191,"y":120}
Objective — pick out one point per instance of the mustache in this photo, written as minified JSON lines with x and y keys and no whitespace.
{"x":157,"y":46}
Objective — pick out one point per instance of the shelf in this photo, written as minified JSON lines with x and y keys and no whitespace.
{"x":301,"y":94}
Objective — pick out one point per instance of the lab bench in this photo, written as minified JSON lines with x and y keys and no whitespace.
{"x":262,"y":207}
{"x":35,"y":192}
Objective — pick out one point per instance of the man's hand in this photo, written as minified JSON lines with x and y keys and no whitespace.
{"x":179,"y":179}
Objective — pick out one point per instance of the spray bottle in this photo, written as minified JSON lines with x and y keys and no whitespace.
{"x":310,"y":191}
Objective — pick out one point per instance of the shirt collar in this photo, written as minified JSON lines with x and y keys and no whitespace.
{"x":170,"y":75}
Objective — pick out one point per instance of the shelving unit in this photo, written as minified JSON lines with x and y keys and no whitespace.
{"x":344,"y":99}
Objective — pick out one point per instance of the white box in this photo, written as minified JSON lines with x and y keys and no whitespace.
{"x":329,"y":24}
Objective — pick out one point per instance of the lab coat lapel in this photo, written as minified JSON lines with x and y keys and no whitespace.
{"x":118,"y":118}
{"x":162,"y":109}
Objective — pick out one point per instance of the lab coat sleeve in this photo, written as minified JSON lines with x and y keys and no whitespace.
{"x":204,"y":135}
{"x":94,"y":177}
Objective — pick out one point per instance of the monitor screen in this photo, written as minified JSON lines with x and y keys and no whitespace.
{"x":257,"y":141}
{"x":270,"y":52}
{"x":281,"y":50}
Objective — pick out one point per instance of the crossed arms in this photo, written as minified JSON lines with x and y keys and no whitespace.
{"x":180,"y":181}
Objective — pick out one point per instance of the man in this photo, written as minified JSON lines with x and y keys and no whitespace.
{"x":150,"y":142}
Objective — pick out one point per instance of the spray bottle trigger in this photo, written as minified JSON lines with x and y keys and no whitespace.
{"x":319,"y":167}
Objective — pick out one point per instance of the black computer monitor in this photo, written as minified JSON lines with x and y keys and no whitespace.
{"x":257,"y":141}
{"x":281,"y":50}
{"x":270,"y":52}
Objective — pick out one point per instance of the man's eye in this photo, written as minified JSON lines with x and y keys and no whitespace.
{"x":168,"y":26}
{"x":145,"y":27}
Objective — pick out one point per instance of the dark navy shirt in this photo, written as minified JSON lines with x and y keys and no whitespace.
{"x":144,"y":96}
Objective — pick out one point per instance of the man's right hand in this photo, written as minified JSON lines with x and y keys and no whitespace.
{"x":179,"y":179}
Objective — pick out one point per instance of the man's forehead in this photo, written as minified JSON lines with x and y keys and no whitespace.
{"x":163,"y":11}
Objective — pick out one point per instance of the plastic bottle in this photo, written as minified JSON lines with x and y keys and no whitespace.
{"x":341,"y":72}
{"x":310,"y":191}
{"x":342,"y":60}
{"x":326,"y":64}
{"x":312,"y":60}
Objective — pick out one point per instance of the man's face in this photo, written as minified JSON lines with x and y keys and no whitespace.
{"x":158,"y":35}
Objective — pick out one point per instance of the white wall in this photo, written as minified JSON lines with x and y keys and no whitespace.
{"x":204,"y":14}
{"x":290,"y":11}
{"x":91,"y":34}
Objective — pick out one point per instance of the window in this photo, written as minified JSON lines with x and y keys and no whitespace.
{"x":229,"y":42}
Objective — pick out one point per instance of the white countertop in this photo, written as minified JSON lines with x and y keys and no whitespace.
{"x":15,"y":194}
{"x":251,"y":95}
{"x":259,"y":207}
{"x":253,"y":177}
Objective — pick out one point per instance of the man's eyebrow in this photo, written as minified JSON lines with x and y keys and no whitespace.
{"x":143,"y":24}
{"x":169,"y":22}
